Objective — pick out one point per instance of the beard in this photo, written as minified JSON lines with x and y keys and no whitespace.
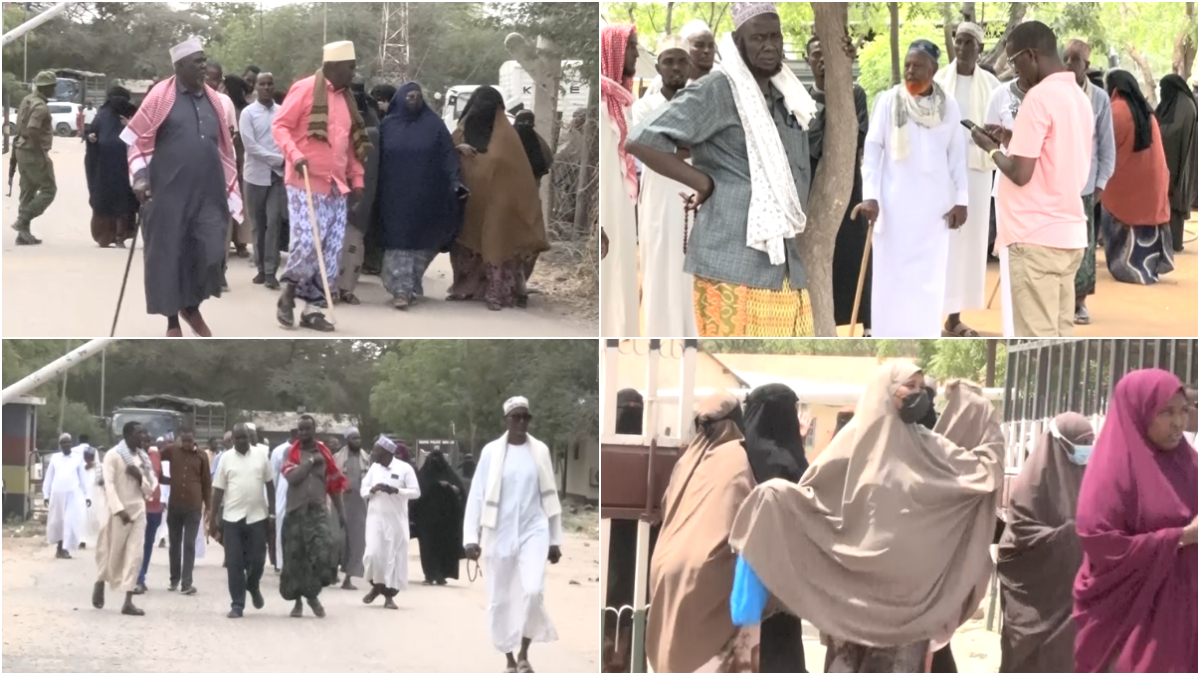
{"x":628,"y":72}
{"x":917,"y":87}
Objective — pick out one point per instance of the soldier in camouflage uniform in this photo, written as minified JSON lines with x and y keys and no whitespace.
{"x":32,"y":152}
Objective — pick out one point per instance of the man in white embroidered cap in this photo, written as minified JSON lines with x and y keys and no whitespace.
{"x":321,"y":134}
{"x":184,"y":170}
{"x":745,"y":125}
{"x":513,"y":522}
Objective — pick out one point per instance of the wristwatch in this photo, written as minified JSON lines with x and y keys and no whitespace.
{"x":992,"y":154}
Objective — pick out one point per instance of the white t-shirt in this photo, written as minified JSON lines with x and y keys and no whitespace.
{"x":243,"y":478}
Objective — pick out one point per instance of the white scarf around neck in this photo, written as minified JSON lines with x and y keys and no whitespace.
{"x":982,"y":84}
{"x":908,"y":108}
{"x":547,"y":486}
{"x":775,"y":210}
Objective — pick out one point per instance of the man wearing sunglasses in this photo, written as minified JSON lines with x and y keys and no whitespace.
{"x":513,"y":522}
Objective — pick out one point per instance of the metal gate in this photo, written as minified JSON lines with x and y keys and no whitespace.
{"x":1045,"y":378}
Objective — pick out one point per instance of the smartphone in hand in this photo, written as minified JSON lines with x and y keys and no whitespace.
{"x":971,"y":126}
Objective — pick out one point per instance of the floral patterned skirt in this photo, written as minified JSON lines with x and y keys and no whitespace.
{"x":500,"y":285}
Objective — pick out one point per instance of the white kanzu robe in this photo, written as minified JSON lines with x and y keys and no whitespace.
{"x":515,"y":566}
{"x":911,"y":240}
{"x":281,"y":490}
{"x":119,"y":548}
{"x":966,"y":279}
{"x":98,"y":511}
{"x":65,"y":486}
{"x":618,"y":270}
{"x":1002,"y":109}
{"x":666,"y":289}
{"x":385,"y":560}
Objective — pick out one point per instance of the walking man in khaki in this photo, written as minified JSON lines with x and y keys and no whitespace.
{"x":32,"y":154}
{"x":129,"y":481}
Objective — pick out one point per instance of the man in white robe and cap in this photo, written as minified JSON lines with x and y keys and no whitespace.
{"x":915,"y":192}
{"x":65,"y":489}
{"x":666,"y":288}
{"x":129,"y":481}
{"x":513,"y":522}
{"x":971,"y":87}
{"x":701,"y":46}
{"x":618,"y":184}
{"x":387,"y":488}
{"x":281,"y":489}
{"x":97,"y":509}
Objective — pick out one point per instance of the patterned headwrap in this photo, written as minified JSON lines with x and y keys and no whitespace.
{"x":616,"y":90}
{"x":744,"y":11}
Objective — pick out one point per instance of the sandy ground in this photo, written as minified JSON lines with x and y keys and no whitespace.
{"x":68,"y":287}
{"x":1166,"y":309}
{"x":49,"y":624}
{"x":976,"y":649}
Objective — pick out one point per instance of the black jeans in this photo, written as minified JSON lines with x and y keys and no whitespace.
{"x":266,"y":205}
{"x":245,"y":555}
{"x":182,"y":526}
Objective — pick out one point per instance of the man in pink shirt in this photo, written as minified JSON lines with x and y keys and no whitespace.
{"x":320,"y":132}
{"x":1040,"y":216}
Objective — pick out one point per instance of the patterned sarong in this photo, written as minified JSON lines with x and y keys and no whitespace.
{"x":310,"y":555}
{"x":730,"y":310}
{"x":1137,"y":254}
{"x":302,"y":268}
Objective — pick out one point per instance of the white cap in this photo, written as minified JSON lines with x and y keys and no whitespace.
{"x":64,"y":437}
{"x":186,"y":48}
{"x":339,"y":51}
{"x":693,"y":28}
{"x":514,"y":403}
{"x":672,"y":42}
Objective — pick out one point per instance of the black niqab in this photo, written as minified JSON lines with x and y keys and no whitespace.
{"x":772,"y":429}
{"x":1169,"y":90}
{"x":629,"y":412}
{"x":438,"y":515}
{"x":479,"y":116}
{"x":533,"y":148}
{"x":1124,"y":83}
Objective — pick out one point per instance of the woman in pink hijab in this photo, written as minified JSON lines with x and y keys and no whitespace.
{"x":1135,"y":595}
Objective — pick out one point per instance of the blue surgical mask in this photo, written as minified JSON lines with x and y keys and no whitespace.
{"x":1081,"y":455}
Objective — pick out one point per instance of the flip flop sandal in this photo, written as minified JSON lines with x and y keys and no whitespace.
{"x":350,"y":299}
{"x":524,"y":667}
{"x":316,"y":322}
{"x":510,"y":669}
{"x":961,"y":330}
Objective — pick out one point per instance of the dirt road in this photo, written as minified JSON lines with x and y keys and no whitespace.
{"x":50,"y":625}
{"x":68,"y":287}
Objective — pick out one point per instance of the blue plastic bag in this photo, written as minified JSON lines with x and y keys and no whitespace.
{"x":749,"y":597}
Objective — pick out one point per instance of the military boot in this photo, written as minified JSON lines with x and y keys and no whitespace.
{"x":24,"y":236}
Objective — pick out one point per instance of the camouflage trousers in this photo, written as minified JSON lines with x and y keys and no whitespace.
{"x":37,"y":184}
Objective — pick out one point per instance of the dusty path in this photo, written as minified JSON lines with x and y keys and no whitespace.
{"x":49,"y":624}
{"x":68,"y":287}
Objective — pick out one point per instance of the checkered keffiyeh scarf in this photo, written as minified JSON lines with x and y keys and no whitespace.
{"x":615,"y":89}
{"x":128,"y":455}
{"x":142,"y":133}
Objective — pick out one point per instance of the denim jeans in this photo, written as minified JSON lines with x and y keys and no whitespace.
{"x":153,"y":520}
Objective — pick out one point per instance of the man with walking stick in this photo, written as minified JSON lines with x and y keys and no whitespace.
{"x":181,"y":158}
{"x":324,"y":143}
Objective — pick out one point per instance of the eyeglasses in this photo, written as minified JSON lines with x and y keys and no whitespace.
{"x":1013,"y":59}
{"x":522,"y":417}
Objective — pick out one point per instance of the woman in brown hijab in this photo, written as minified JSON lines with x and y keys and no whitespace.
{"x":503,"y":231}
{"x":1039,"y":553}
{"x":883,"y":544}
{"x":689,"y":626}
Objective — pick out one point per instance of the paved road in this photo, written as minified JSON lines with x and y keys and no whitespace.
{"x":68,"y":287}
{"x":50,"y":625}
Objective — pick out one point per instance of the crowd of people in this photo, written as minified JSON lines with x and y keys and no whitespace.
{"x":209,"y":160}
{"x":883,"y":541}
{"x":729,"y":128}
{"x":317,"y":513}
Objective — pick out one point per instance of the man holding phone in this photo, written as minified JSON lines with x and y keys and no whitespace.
{"x":1040,"y":216}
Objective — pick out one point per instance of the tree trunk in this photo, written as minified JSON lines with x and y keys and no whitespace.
{"x":1148,"y":81}
{"x":968,"y":12}
{"x":997,"y":58}
{"x":670,"y":13}
{"x":1185,"y":45}
{"x":835,"y":173}
{"x":948,"y":30}
{"x":894,"y":37}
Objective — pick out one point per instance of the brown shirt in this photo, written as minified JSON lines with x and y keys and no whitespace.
{"x":191,"y":478}
{"x":311,"y":488}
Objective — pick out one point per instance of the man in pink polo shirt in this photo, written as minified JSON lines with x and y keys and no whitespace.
{"x":320,"y":132}
{"x":1040,"y":217}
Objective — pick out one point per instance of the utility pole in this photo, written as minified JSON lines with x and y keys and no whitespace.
{"x":394,"y":49}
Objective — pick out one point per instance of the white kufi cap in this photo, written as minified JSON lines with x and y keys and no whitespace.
{"x":339,"y":51}
{"x":186,"y":48}
{"x":514,"y":403}
{"x":672,"y":42}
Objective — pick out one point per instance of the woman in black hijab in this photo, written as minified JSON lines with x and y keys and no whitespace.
{"x":1176,"y":115}
{"x":773,"y":441}
{"x":776,"y":450}
{"x":106,"y":164}
{"x":439,"y":518}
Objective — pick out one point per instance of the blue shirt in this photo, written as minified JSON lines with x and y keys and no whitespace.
{"x":263,"y":156}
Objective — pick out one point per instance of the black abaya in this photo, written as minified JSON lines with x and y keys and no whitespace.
{"x":439,"y":518}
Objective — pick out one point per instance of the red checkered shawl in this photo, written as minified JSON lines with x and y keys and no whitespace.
{"x":142,"y":132}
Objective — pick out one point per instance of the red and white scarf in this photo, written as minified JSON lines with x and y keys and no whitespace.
{"x":615,"y":90}
{"x":142,"y":132}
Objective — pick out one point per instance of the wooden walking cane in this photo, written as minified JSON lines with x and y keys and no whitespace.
{"x":995,"y":290}
{"x":312,"y":218}
{"x":862,"y":272}
{"x":125,"y":279}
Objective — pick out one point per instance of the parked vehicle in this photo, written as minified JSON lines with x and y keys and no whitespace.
{"x":62,"y":118}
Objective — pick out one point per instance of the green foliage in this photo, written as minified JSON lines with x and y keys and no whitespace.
{"x":965,"y":359}
{"x":77,"y":419}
